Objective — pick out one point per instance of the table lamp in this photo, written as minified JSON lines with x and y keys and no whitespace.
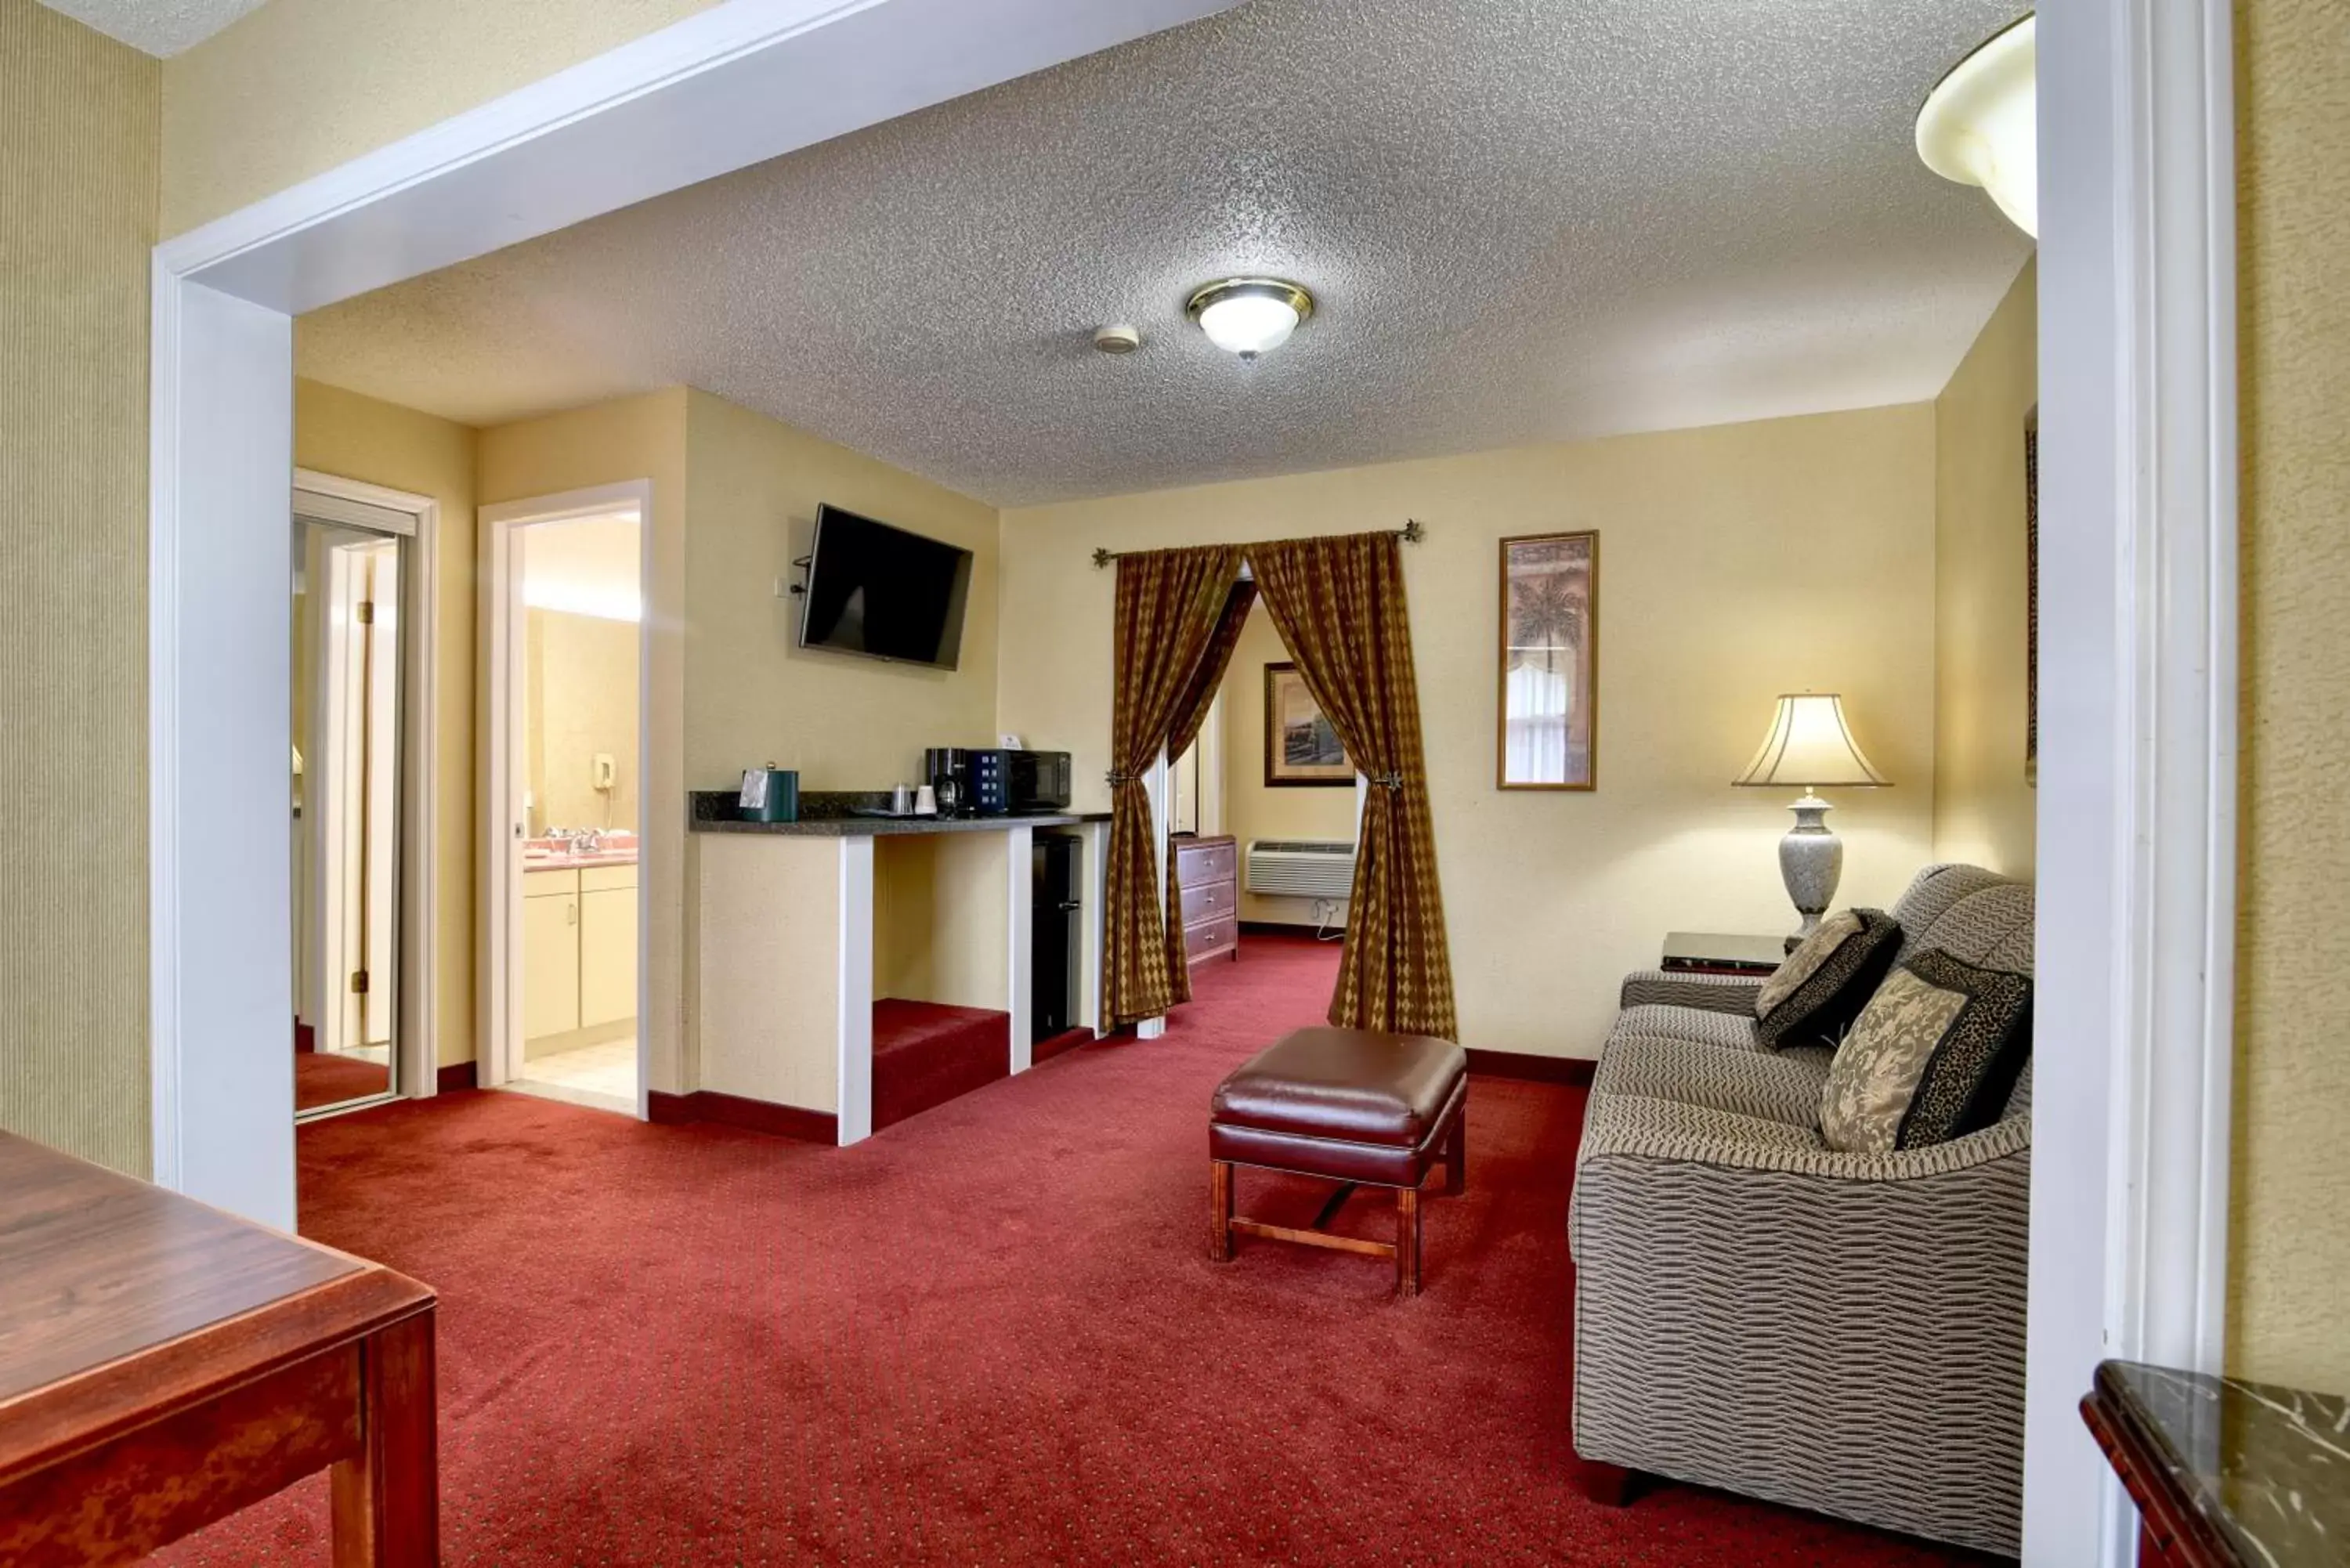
{"x":1811,"y":745}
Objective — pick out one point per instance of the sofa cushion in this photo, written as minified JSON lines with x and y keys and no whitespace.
{"x":1698,"y":1025}
{"x":1933,"y":1056}
{"x":1775,"y":1086}
{"x":1827,"y":980}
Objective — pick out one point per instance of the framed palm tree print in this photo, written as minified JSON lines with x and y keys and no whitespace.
{"x":1547,"y":728}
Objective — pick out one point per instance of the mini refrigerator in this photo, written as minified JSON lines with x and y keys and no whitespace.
{"x":1055,"y":938}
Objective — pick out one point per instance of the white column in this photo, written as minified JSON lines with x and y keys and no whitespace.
{"x":219,"y":861}
{"x":855,"y":1070}
{"x":1096,"y":871}
{"x":1155,"y":784}
{"x":1020,"y":891}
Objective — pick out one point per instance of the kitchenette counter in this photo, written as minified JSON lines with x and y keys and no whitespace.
{"x":830,"y":817}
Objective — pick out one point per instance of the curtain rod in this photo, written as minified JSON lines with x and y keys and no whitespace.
{"x":1411,"y":532}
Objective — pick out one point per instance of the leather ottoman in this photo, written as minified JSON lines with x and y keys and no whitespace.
{"x":1351,"y":1106}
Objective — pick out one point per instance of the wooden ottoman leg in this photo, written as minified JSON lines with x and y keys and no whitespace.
{"x":1220,"y":1210}
{"x":1456,"y":1156}
{"x":1406,"y":1242}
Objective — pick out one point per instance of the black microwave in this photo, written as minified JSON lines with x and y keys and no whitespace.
{"x":1019,"y":784}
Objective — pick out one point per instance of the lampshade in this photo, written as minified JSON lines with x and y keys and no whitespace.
{"x":1811,"y":745}
{"x":1979,"y":125}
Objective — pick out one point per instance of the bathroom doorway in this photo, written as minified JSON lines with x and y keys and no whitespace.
{"x":567,"y":726}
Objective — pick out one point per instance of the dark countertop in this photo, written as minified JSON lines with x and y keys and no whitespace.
{"x":834,"y":815}
{"x":2265,"y":1468}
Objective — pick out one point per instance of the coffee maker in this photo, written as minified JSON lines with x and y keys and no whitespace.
{"x":948,"y":770}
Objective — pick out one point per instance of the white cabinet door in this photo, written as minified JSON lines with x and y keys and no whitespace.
{"x":608,"y":956}
{"x":550,"y":965}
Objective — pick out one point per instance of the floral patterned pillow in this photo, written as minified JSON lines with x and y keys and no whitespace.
{"x":1933,"y":1056}
{"x":1827,"y":980}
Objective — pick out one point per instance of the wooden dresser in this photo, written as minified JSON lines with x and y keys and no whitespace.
{"x":1207,"y":870}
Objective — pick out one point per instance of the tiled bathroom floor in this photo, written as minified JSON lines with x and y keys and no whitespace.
{"x":602,"y":1078}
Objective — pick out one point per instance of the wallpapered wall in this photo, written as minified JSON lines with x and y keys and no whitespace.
{"x":78,"y":182}
{"x":2290,"y":1226}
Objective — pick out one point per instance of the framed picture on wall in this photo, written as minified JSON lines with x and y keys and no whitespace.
{"x":1300,"y":746}
{"x":1546,"y":731}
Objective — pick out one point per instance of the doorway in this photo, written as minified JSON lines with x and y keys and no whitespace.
{"x":565,"y":895}
{"x":351,"y":576}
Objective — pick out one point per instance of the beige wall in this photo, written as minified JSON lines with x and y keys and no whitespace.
{"x":583,"y":702}
{"x":940,"y":921}
{"x":78,"y":127}
{"x":2291,"y":1227}
{"x":361,"y":437}
{"x":1983,"y":804}
{"x":753,"y":694}
{"x":1251,"y":810}
{"x":1737,"y":562}
{"x":300,"y":87}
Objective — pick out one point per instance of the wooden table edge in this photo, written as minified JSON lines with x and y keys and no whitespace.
{"x":45,"y":1426}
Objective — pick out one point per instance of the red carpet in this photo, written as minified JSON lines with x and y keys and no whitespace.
{"x":988,"y":1336}
{"x":323,"y":1078}
{"x":925,"y":1054}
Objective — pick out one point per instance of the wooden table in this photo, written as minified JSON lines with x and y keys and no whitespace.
{"x":163,"y":1364}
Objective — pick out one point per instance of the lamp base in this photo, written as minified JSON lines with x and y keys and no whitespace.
{"x":1810,"y":860}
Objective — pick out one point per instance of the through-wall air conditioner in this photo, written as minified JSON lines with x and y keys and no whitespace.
{"x":1301,"y":867}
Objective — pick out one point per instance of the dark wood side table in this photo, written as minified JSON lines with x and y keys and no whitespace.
{"x":163,"y":1364}
{"x":2225,"y":1473}
{"x":1702,"y":952}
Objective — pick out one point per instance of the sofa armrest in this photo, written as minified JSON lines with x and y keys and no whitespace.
{"x":1842,"y":1333}
{"x":1712,"y":992}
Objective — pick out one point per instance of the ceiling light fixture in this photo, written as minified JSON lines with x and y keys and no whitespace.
{"x":1980,"y":127}
{"x":1249,"y":316}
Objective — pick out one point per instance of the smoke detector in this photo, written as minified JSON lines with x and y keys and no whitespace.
{"x":1118,"y":339}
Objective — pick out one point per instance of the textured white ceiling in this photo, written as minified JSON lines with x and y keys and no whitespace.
{"x":1525,"y":220}
{"x":160,"y":27}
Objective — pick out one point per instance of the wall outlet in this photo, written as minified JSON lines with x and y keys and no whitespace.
{"x":603,"y":771}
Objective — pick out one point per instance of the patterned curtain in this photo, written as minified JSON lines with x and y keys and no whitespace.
{"x":1190,"y":715}
{"x":1170,"y":611}
{"x":1339,"y":605}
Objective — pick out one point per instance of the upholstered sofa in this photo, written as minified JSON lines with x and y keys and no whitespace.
{"x":1755,"y":1311}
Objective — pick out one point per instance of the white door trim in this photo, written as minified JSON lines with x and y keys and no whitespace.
{"x":499,"y":941}
{"x":420,"y":913}
{"x":2138,"y":771}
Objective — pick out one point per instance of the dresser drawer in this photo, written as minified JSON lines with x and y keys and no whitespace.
{"x":1205,"y":900}
{"x":1206,"y":860}
{"x":1212,"y":938}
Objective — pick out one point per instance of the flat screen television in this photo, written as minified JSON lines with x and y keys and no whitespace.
{"x":883,"y":592}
